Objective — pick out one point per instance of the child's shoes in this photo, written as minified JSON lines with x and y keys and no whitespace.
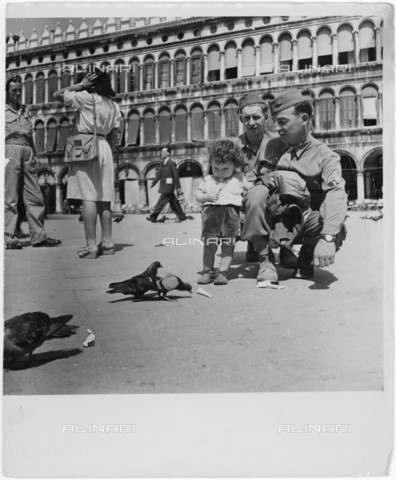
{"x":206,"y":277}
{"x":221,"y":279}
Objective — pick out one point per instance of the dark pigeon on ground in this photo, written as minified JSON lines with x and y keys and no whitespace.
{"x":24,"y":333}
{"x":117,"y":217}
{"x":139,"y":284}
{"x":167,"y":282}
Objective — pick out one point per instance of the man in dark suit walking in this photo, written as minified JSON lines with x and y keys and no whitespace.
{"x":169,"y":180}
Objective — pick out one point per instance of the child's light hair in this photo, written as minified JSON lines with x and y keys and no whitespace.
{"x":225,"y":150}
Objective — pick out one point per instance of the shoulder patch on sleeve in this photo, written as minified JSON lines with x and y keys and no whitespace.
{"x":333,"y":179}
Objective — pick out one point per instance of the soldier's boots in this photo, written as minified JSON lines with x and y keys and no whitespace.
{"x":267,"y":270}
{"x":305,"y":261}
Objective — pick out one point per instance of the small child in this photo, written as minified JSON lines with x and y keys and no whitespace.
{"x":221,"y":193}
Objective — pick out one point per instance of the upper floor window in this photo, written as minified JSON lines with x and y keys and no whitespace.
{"x":148,"y":74}
{"x":28,"y":85}
{"x":285,"y":52}
{"x":213,"y":63}
{"x":197,"y":67}
{"x":133,"y":76}
{"x":197,"y":123}
{"x":304,"y":48}
{"x":120,"y":77}
{"x":231,"y":119}
{"x":180,"y":69}
{"x":51,"y":136}
{"x":65,"y":79}
{"x":345,"y":45}
{"x":214,"y":121}
{"x":248,"y":59}
{"x":63,"y":134}
{"x":164,"y":71}
{"x":324,"y":47}
{"x":231,"y":61}
{"x":40,"y":88}
{"x":348,"y":108}
{"x":181,"y":124}
{"x":149,"y":127}
{"x":39,"y":136}
{"x":165,"y":126}
{"x":370,"y":106}
{"x":367,"y":42}
{"x":266,"y":55}
{"x":133,"y":126}
{"x":326,"y":111}
{"x":52,"y":85}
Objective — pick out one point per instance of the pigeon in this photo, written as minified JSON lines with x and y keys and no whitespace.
{"x":24,"y":333}
{"x":139,"y":284}
{"x":167,"y":282}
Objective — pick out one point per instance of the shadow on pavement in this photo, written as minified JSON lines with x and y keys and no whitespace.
{"x":39,"y":359}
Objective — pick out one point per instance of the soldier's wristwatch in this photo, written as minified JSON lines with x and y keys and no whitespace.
{"x":328,"y":238}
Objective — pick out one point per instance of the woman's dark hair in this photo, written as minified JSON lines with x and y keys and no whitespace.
{"x":223,"y":151}
{"x":102,"y":84}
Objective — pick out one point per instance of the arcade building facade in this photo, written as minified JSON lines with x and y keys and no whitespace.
{"x":178,"y":82}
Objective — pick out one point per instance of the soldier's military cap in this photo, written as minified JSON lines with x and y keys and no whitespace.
{"x":285,"y":100}
{"x":251,"y":99}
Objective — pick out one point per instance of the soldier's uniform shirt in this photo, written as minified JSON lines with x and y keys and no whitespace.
{"x":252,"y":158}
{"x":321,"y":169}
{"x":17,"y":126}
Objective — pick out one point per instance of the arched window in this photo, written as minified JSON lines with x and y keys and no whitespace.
{"x":180,"y":69}
{"x":304,"y":49}
{"x":214,"y":122}
{"x":197,"y":123}
{"x":266,"y":56}
{"x":65,"y":79}
{"x":285,"y":53}
{"x":373,"y":175}
{"x":133,"y":129}
{"x":63,"y":134}
{"x":326,"y":111}
{"x":129,"y":186}
{"x":120,"y":77}
{"x":248,"y":59}
{"x":213,"y":63}
{"x":165,"y":126}
{"x":51,"y":136}
{"x":231,"y":61}
{"x":28,"y":85}
{"x":197,"y":67}
{"x":164,"y":71}
{"x":39,"y":136}
{"x":325,"y":48}
{"x":148,"y":74}
{"x":40,"y":88}
{"x":181,"y":124}
{"x":120,"y":132}
{"x":367,"y":42}
{"x":231,"y":119}
{"x":370,"y":106}
{"x":133,"y":76}
{"x":349,"y":174}
{"x":348,"y":108}
{"x":52,"y":85}
{"x":149,"y":127}
{"x":345,"y":45}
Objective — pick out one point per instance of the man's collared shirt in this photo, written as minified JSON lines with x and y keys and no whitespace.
{"x":17,"y":122}
{"x":251,"y":156}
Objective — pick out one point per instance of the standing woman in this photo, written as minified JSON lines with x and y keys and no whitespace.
{"x":93,"y":182}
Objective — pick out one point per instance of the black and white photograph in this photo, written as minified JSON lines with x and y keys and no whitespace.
{"x":198,"y":236}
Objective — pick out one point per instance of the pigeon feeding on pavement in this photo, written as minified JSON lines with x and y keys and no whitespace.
{"x":24,"y":333}
{"x":117,"y":217}
{"x":167,"y":282}
{"x":139,"y":284}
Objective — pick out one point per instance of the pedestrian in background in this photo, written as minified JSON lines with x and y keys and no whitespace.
{"x":21,"y":174}
{"x":168,"y":177}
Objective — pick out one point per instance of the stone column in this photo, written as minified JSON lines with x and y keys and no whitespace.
{"x":359,"y":106}
{"x":360,"y":186}
{"x":337,"y":119}
{"x":314,"y":53}
{"x":143,"y":185}
{"x":380,"y":115}
{"x":276,"y":57}
{"x":222,"y":124}
{"x":205,"y":72}
{"x":142,"y":87}
{"x":378,"y":44}
{"x":356,"y":46}
{"x":335,"y":48}
{"x":155,"y":75}
{"x":257,"y":54}
{"x":117,"y":198}
{"x":206,"y":125}
{"x":141,"y":131}
{"x":188,"y":70}
{"x":58,"y":199}
{"x":173,"y":133}
{"x":316,"y":115}
{"x":172,"y":73}
{"x":222,"y":65}
{"x":156,"y":127}
{"x":295,"y":56}
{"x":239,"y":62}
{"x":189,"y":126}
